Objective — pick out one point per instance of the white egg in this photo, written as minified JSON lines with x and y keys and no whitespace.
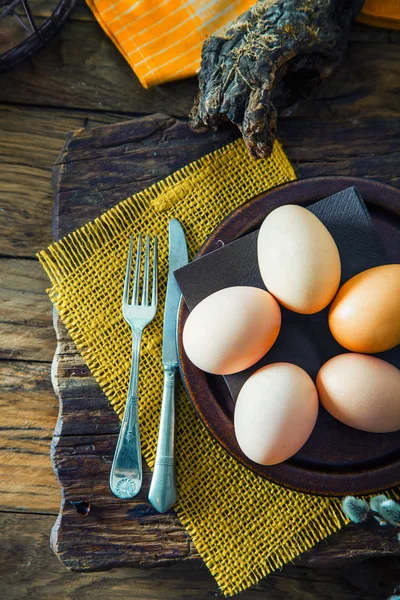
{"x":298,"y":259}
{"x":231,"y":329}
{"x":275,"y":413}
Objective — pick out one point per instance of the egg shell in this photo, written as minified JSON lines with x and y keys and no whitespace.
{"x":365,"y":314}
{"x":275,"y":413}
{"x":231,"y":329}
{"x":361,"y":391}
{"x":298,"y":259}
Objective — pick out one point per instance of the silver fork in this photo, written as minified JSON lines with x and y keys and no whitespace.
{"x":126,"y":470}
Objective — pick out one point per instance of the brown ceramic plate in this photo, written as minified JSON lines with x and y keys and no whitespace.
{"x":354,"y":466}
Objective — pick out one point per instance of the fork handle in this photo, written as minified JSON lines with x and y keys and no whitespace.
{"x":162,"y":494}
{"x":126,"y":470}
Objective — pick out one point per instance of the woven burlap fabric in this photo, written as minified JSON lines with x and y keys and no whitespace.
{"x":243,"y":526}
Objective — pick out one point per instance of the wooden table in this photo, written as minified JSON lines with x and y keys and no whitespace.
{"x":80,"y":80}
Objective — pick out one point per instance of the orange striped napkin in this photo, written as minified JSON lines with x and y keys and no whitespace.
{"x":162,"y":39}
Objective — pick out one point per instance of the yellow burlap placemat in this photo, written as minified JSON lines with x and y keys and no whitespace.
{"x":243,"y":526}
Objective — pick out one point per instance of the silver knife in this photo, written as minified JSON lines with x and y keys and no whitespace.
{"x":162,"y":494}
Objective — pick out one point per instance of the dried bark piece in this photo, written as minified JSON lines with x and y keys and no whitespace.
{"x":269,"y":57}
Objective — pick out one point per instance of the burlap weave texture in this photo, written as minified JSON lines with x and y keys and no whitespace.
{"x":243,"y":526}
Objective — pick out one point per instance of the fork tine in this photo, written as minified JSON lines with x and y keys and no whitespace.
{"x":125,"y":296}
{"x":145,"y":292}
{"x":155,"y":266}
{"x":135,"y":295}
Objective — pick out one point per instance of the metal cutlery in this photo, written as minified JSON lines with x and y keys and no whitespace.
{"x":162,"y":494}
{"x":126,"y":470}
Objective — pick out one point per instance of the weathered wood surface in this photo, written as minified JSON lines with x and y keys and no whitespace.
{"x":80,"y":68}
{"x":28,"y":408}
{"x":96,"y":169}
{"x":101,"y":166}
{"x":25,"y":325}
{"x":339,"y":146}
{"x":30,"y":141}
{"x":34,"y":573}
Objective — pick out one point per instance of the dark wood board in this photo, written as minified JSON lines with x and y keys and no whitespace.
{"x":97,"y":168}
{"x":35,"y":573}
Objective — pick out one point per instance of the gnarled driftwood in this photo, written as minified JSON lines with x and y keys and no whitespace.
{"x":269,"y":57}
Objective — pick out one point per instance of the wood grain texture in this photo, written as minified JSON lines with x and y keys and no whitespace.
{"x":30,"y":141}
{"x":26,"y":331}
{"x":129,"y":157}
{"x":100,"y":167}
{"x":34,"y":573}
{"x":366,"y":146}
{"x":28,"y":406}
{"x":335,"y":146}
{"x":28,"y":412}
{"x":81,"y":68}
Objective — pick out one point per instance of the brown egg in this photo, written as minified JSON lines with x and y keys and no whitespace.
{"x":365,"y":314}
{"x":361,"y":391}
{"x":231,"y":329}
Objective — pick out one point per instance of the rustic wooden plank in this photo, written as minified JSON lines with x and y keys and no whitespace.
{"x":84,"y":408}
{"x":134,"y":534}
{"x":44,"y":8}
{"x":26,"y":327}
{"x":81,"y":68}
{"x":100,"y":167}
{"x":82,"y":452}
{"x":140,"y":535}
{"x":28,"y":404}
{"x":97,"y":168}
{"x":365,"y":81}
{"x":28,"y":569}
{"x":30,"y":141}
{"x":28,"y":413}
{"x":132,"y":157}
{"x":24,"y":187}
{"x":334,"y":146}
{"x":27,"y":401}
{"x":365,"y":146}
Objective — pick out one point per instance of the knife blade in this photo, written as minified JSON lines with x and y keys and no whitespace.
{"x":177,"y":258}
{"x":162,"y":493}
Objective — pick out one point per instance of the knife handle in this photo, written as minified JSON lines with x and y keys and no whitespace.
{"x":162,"y":494}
